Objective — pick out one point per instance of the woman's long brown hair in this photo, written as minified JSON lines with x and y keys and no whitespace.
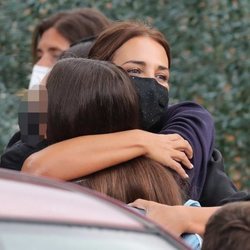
{"x":118,"y":33}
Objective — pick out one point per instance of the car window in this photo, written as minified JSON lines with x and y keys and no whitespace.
{"x":23,"y":236}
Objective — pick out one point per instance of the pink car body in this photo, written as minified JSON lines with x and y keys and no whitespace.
{"x":28,"y":200}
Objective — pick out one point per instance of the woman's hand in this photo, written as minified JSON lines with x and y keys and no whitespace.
{"x":177,"y":219}
{"x":170,"y":150}
{"x":170,"y":218}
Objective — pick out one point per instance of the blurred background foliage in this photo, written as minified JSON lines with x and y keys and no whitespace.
{"x":211,"y":60}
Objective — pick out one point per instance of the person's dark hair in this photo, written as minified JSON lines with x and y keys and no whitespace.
{"x":229,"y":228}
{"x":113,"y":37}
{"x":89,"y":97}
{"x":78,"y":50}
{"x":73,"y":25}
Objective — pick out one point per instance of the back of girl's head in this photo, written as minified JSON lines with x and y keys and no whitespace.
{"x":113,"y":37}
{"x":229,"y":228}
{"x":89,"y":97}
{"x":139,"y":178}
{"x":73,"y":25}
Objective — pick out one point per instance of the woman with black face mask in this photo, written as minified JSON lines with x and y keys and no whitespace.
{"x":144,"y":53}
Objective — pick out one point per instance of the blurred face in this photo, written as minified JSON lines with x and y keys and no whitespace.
{"x":144,"y":57}
{"x":32,"y":115}
{"x":50,"y":47}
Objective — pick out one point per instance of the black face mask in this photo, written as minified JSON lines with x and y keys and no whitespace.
{"x":153,"y":99}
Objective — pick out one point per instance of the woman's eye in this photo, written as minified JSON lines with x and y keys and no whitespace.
{"x":38,"y":56}
{"x":56,"y":56}
{"x":133,"y":71}
{"x":163,"y":80}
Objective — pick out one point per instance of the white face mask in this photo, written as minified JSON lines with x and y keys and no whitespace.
{"x":38,"y":73}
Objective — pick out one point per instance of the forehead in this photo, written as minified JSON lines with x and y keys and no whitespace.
{"x":142,"y":49}
{"x":52,"y":38}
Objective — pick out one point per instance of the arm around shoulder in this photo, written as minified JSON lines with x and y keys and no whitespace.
{"x":84,"y":155}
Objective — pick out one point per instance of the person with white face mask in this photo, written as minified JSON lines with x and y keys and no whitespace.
{"x":54,"y":35}
{"x":38,"y":73}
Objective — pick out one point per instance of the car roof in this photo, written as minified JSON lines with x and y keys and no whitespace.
{"x":36,"y":199}
{"x":26,"y":197}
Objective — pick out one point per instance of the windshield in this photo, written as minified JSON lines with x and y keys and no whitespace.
{"x":23,"y":236}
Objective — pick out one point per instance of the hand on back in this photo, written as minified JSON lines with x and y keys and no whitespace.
{"x":170,"y":150}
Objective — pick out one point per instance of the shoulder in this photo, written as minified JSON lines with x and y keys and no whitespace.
{"x":238,"y":196}
{"x":15,"y":155}
{"x":15,"y":138}
{"x":187,"y":106}
{"x":189,"y":110}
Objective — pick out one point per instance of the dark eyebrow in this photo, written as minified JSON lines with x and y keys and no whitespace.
{"x":52,"y":49}
{"x":163,"y":68}
{"x":160,"y":67}
{"x":135,"y":62}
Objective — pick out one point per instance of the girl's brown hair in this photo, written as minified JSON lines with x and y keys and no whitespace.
{"x":112,"y":38}
{"x":87,"y":97}
{"x":138,"y":178}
